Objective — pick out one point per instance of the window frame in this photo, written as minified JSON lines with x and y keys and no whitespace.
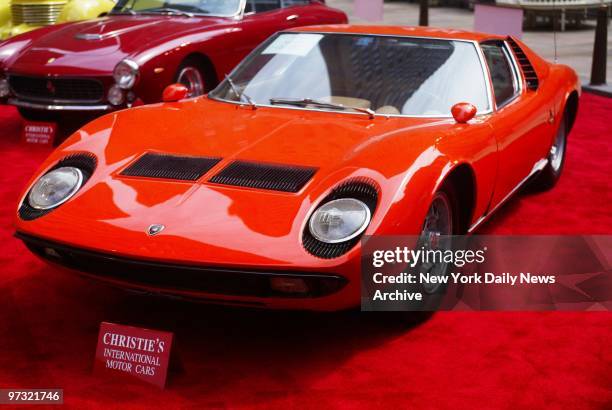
{"x":517,"y":77}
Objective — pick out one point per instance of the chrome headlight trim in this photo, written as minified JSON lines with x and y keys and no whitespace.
{"x":133,"y":71}
{"x":75,"y":188}
{"x":317,"y":214}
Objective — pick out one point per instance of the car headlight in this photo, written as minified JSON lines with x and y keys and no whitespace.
{"x":5,"y":89}
{"x":339,"y":220}
{"x":126,"y":74}
{"x":55,"y":187}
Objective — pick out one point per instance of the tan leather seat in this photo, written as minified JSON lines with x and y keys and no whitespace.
{"x":348,"y":101}
{"x":388,"y":110}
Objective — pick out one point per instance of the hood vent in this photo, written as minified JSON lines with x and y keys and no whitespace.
{"x":264,"y":176}
{"x":166,"y":166}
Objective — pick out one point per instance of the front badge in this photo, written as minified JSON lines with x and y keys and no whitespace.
{"x":155,"y":229}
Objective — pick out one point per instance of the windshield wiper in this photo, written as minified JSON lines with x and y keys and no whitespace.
{"x":303,"y":102}
{"x":241,"y":95}
{"x":168,"y":10}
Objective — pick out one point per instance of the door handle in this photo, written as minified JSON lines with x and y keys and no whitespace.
{"x":293,"y":17}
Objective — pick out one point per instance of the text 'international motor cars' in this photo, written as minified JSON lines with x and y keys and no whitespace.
{"x":88,"y":68}
{"x":258,"y":194}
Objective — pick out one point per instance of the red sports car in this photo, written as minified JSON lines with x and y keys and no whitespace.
{"x":128,"y":57}
{"x":258,"y":193}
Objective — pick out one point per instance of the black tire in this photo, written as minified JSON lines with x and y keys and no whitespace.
{"x":550,"y":175}
{"x":432,"y":298}
{"x":38,"y":115}
{"x":197,"y":66}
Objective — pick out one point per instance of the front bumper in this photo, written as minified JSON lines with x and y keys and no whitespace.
{"x":59,"y":107}
{"x":193,"y":282}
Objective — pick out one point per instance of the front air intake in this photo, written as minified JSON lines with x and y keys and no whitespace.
{"x":166,"y":166}
{"x":531,"y":77}
{"x":264,"y":176}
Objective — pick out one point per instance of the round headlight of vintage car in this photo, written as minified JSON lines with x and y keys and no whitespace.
{"x":5,"y":89}
{"x":126,"y":74}
{"x":55,"y":187}
{"x":115,"y":95}
{"x":339,"y":220}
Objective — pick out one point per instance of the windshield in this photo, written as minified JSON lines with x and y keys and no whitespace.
{"x":388,"y":75}
{"x":208,"y":7}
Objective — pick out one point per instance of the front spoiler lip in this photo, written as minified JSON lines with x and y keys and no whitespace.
{"x":255,"y":277}
{"x":59,"y":107}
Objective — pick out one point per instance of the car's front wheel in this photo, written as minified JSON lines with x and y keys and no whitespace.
{"x":192,"y":76}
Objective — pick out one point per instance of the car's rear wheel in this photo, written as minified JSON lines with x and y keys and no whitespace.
{"x":191,"y":74}
{"x":549,"y":176}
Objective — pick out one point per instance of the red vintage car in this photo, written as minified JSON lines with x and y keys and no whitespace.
{"x":128,"y":57}
{"x":258,"y":194}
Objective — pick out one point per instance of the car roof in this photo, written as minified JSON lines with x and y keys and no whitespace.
{"x":434,"y":32}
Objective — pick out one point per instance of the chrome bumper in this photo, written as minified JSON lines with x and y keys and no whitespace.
{"x":55,"y":107}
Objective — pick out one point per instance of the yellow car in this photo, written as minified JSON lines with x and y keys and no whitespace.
{"x":19,"y":16}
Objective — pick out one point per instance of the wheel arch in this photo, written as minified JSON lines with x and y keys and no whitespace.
{"x":463,"y":179}
{"x":210,"y":73}
{"x":571,"y":109}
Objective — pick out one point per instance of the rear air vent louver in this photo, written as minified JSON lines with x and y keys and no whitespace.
{"x":84,"y":161}
{"x":358,"y":188}
{"x":264,"y":176}
{"x":165,"y":166}
{"x":531,"y":77}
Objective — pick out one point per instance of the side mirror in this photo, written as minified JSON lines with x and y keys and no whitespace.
{"x":175,"y":92}
{"x":463,"y":112}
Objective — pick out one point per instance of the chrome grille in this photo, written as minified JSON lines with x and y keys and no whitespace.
{"x":53,"y":90}
{"x":37,"y":14}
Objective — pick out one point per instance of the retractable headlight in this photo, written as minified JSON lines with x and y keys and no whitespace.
{"x":126,"y":74}
{"x":55,"y":187}
{"x":5,"y":89}
{"x":339,"y":220}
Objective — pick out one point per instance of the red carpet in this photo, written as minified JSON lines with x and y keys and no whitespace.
{"x":49,"y":323}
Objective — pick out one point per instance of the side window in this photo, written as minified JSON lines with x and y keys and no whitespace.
{"x":260,"y":6}
{"x":503,"y":77}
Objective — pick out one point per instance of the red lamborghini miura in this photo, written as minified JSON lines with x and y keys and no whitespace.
{"x":258,"y":193}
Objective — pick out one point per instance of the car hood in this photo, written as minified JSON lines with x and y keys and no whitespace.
{"x":217,"y":223}
{"x":88,"y":44}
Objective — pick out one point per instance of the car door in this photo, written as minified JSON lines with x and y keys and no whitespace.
{"x":518,"y":126}
{"x":308,"y":13}
{"x":261,"y":19}
{"x":266,"y":17}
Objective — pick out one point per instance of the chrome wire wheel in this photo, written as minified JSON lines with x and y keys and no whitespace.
{"x":436,"y":235}
{"x":191,"y":78}
{"x":557,"y":151}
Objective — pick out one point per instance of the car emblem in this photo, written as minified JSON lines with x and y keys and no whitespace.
{"x":50,"y":87}
{"x":155,"y":229}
